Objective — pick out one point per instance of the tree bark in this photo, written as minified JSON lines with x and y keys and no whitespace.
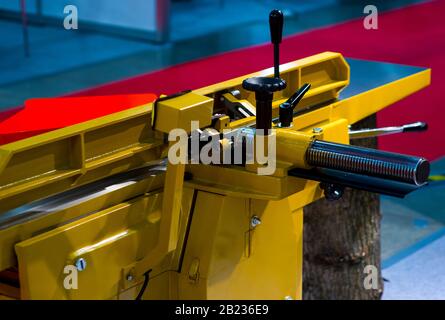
{"x":340,"y":239}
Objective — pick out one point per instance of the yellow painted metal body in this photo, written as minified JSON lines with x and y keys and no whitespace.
{"x":181,"y":111}
{"x":196,"y":236}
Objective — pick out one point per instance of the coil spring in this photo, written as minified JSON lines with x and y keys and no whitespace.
{"x":359,"y":164}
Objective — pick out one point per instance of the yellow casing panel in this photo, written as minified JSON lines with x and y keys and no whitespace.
{"x":180,"y":111}
{"x":236,"y":261}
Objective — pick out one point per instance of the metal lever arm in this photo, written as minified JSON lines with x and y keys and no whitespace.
{"x":371,"y":133}
{"x":287,"y":108}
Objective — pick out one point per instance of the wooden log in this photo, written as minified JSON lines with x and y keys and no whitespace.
{"x":341,"y":238}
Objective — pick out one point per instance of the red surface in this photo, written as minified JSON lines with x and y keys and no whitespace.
{"x":43,"y":115}
{"x":414,"y":35}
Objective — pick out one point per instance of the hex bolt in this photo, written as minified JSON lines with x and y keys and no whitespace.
{"x":255,"y":221}
{"x":317,"y":130}
{"x":80,"y":264}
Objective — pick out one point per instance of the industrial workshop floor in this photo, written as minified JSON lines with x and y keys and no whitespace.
{"x":413,"y":241}
{"x":413,"y":229}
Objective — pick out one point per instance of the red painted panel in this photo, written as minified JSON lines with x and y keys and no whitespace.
{"x":43,"y":115}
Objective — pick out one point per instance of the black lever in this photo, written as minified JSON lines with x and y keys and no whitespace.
{"x":377,"y":132}
{"x":264,"y":87}
{"x":415,"y":127}
{"x":276,"y":21}
{"x":287,"y":108}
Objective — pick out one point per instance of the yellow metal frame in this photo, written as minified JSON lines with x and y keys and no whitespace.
{"x":196,"y":236}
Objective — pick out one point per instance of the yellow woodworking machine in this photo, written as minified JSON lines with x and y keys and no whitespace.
{"x":118,"y":208}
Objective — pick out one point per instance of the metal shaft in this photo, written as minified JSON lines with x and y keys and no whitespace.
{"x":370,"y":133}
{"x":276,"y":60}
{"x":264,"y":111}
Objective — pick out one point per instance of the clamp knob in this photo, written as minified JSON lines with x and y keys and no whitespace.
{"x":264,"y":84}
{"x":264,"y":89}
{"x":287,"y":108}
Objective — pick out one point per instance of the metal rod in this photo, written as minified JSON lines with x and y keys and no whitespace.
{"x":276,"y":60}
{"x":371,"y":133}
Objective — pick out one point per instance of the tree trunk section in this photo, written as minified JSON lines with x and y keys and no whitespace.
{"x":340,"y":239}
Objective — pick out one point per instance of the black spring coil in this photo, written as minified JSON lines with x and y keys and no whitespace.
{"x":368,"y":161}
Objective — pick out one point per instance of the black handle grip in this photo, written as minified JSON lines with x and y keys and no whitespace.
{"x":297,"y":96}
{"x":276,"y":21}
{"x":415,"y":127}
{"x":287,"y":108}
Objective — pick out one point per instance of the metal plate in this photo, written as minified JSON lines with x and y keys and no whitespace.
{"x":367,"y":75}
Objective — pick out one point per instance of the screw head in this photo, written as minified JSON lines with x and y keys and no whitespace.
{"x":317,"y":130}
{"x":80,"y":264}
{"x":130,"y":277}
{"x":255,"y":221}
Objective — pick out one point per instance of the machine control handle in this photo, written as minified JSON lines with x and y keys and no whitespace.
{"x":371,"y":133}
{"x":415,"y":127}
{"x":264,"y":87}
{"x":276,"y":22}
{"x":287,"y":108}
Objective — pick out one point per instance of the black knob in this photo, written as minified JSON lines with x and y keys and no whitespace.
{"x":415,"y":127}
{"x":264,"y":89}
{"x":263,"y":84}
{"x":276,"y":21}
{"x":332,"y":192}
